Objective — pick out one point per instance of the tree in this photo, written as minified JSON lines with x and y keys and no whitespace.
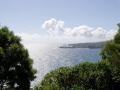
{"x":111,"y":52}
{"x":16,"y":71}
{"x":83,"y":76}
{"x":111,"y":49}
{"x":69,"y":78}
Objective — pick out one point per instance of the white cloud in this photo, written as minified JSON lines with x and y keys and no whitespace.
{"x":83,"y":31}
{"x":99,"y":33}
{"x":50,"y":26}
{"x":60,"y":25}
{"x":61,"y":34}
{"x":30,"y":38}
{"x":55,"y":27}
{"x":110,"y":34}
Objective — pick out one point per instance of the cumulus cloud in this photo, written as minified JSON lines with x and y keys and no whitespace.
{"x":58,"y":33}
{"x":60,"y":25}
{"x":82,"y":31}
{"x":50,"y":26}
{"x":110,"y":34}
{"x":99,"y":33}
{"x":55,"y":27}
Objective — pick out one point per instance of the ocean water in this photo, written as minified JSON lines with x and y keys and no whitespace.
{"x":48,"y":57}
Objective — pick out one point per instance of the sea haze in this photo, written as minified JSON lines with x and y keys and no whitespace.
{"x":48,"y":57}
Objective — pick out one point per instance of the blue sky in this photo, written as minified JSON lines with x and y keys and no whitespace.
{"x":61,"y":21}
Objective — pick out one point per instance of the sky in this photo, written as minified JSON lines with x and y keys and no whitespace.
{"x":61,"y":21}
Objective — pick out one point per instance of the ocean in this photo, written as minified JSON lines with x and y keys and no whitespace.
{"x":48,"y":57}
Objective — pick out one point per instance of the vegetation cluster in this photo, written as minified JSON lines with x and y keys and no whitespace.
{"x":88,"y":45}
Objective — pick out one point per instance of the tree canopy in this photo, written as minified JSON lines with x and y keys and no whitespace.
{"x":16,"y":70}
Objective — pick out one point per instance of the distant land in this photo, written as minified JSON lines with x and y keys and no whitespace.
{"x":85,"y":45}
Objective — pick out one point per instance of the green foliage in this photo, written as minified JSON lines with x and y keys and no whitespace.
{"x":52,"y":80}
{"x":84,"y":76}
{"x":16,"y":69}
{"x":111,"y":49}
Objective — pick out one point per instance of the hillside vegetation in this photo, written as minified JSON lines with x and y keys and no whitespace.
{"x":88,"y":45}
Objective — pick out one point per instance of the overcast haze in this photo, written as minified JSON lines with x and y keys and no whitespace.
{"x":61,"y":21}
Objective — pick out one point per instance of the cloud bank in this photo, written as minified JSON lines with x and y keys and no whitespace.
{"x":58,"y":33}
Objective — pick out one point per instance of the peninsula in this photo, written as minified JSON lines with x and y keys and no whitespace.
{"x":84,"y":45}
